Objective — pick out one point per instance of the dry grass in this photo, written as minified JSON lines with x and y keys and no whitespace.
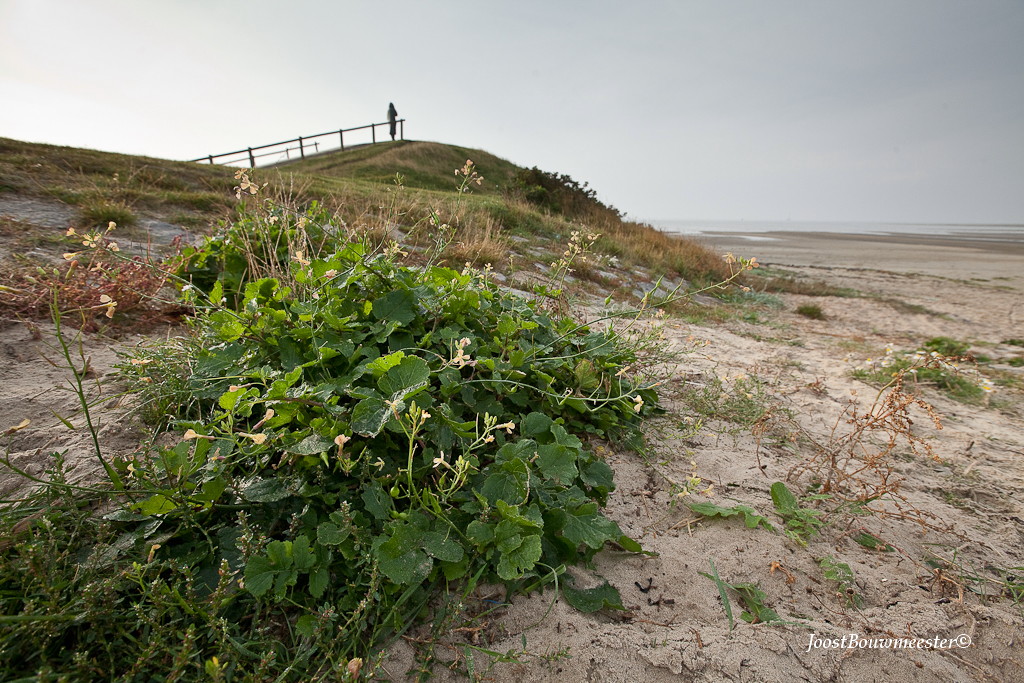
{"x":81,"y":292}
{"x":640,"y":244}
{"x":790,"y":285}
{"x":479,"y":243}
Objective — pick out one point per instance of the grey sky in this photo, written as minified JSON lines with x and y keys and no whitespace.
{"x":894,"y":110}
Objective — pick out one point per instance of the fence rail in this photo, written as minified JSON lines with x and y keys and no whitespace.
{"x":305,"y":143}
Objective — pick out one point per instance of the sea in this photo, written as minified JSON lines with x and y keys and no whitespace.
{"x":760,"y":230}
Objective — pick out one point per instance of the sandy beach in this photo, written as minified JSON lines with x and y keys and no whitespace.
{"x":963,"y":256}
{"x":936,"y":580}
{"x":947,"y":564}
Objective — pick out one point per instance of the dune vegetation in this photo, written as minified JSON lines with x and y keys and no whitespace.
{"x":364,"y":423}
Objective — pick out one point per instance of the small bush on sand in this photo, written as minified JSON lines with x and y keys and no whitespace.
{"x":812,"y":311}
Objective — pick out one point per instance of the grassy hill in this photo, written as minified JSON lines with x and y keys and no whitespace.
{"x":517,"y":219}
{"x":423,"y":165}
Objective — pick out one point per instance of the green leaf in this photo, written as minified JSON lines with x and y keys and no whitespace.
{"x":599,"y":475}
{"x":557,"y":462}
{"x":259,"y":575}
{"x":265,"y":491}
{"x":369,"y":416}
{"x":587,"y":378}
{"x":381,"y":365}
{"x":378,"y":503}
{"x":590,"y":528}
{"x":529,"y":517}
{"x":400,"y":557}
{"x":632,"y":546}
{"x":785,"y":502}
{"x":398,"y":305}
{"x":508,"y":483}
{"x":318,"y":582}
{"x":306,"y":625}
{"x":271,"y":570}
{"x":442,"y":547}
{"x":405,"y":379}
{"x":873,"y":542}
{"x":753,"y":599}
{"x":330,"y":533}
{"x":536,"y":424}
{"x":229,"y":399}
{"x":520,"y":555}
{"x":750,"y":518}
{"x":158,"y":504}
{"x":314,"y":444}
{"x":507,"y":325}
{"x":212,"y":489}
{"x":216,"y":292}
{"x":302,"y":557}
{"x":480,"y":533}
{"x":593,"y":599}
{"x":565,"y":438}
{"x":722,"y":593}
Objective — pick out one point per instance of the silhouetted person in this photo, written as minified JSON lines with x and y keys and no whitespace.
{"x":392,"y":119}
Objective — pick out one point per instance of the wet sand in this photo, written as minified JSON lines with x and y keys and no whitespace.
{"x":982,"y":256}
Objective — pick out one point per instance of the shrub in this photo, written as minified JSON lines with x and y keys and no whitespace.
{"x":812,"y":311}
{"x":559,"y":193}
{"x":357,"y":435}
{"x":947,"y":346}
{"x":925,"y":367}
{"x":98,"y":213}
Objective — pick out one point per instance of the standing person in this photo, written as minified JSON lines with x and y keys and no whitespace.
{"x":392,"y":119}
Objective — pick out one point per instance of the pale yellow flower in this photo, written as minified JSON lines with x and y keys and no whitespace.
{"x":340,"y":440}
{"x":109,"y":304}
{"x":191,"y":434}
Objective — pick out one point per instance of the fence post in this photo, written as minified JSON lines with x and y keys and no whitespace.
{"x":211,"y":159}
{"x":302,"y":152}
{"x":373,"y":130}
{"x":341,"y":135}
{"x":252,"y":159}
{"x":401,"y":129}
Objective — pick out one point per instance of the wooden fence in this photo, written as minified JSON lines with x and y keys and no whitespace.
{"x":308,"y":144}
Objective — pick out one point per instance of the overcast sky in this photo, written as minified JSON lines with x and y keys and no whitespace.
{"x":862,"y":110}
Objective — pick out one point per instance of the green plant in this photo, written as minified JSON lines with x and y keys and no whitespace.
{"x":561,"y":194}
{"x":801,"y":523}
{"x":357,"y":435}
{"x":98,"y":213}
{"x":929,"y":367}
{"x":842,"y":575}
{"x":751,"y":519}
{"x":947,"y":346}
{"x":751,"y":597}
{"x":812,"y":311}
{"x":872,"y":542}
{"x":399,"y":390}
{"x":744,"y":401}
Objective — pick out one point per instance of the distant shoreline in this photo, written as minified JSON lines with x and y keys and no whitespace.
{"x":1000,"y":242}
{"x":959,"y":255}
{"x":959,"y":231}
